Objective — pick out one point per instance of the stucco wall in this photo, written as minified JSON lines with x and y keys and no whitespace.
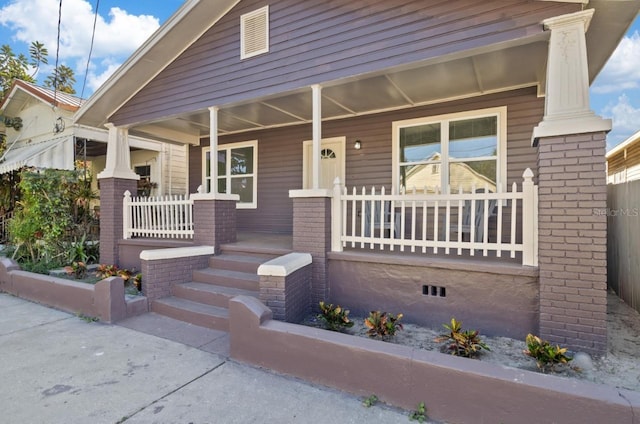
{"x":497,"y":299}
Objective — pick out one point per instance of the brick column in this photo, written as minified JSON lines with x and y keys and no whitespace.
{"x":111,"y":195}
{"x":214,"y":219}
{"x":312,"y":234}
{"x":573,"y":241}
{"x":285,"y":284}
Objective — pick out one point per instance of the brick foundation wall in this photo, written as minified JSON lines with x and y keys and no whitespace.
{"x":312,"y":234}
{"x":111,"y":195}
{"x":160,"y":275}
{"x":287,"y":297}
{"x":573,"y":241}
{"x":214,"y":222}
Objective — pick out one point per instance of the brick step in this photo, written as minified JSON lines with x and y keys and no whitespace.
{"x":227,"y":278}
{"x":238,"y":262}
{"x":192,"y":312}
{"x":210,"y":294}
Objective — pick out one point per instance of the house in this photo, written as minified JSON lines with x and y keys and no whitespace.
{"x":299,"y":116}
{"x":623,"y":161}
{"x":622,"y":212}
{"x":48,"y":139}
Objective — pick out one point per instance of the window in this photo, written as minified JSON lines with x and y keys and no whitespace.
{"x":144,"y":183}
{"x":237,"y":171}
{"x":451,"y":152}
{"x":254,"y":33}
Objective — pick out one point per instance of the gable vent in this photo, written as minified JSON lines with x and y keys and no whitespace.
{"x":254,"y":30}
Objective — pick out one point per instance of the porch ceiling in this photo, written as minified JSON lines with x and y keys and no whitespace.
{"x":505,"y":67}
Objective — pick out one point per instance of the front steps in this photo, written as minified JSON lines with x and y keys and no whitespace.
{"x":204,"y":300}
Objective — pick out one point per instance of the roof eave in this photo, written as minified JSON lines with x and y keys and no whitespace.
{"x":184,"y":27}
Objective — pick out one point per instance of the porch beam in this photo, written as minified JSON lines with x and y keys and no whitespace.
{"x":213,"y":147}
{"x":316,"y":91}
{"x":567,"y":108}
{"x":118,"y":155}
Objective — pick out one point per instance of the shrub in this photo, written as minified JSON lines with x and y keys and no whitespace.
{"x":420,"y":414}
{"x":106,"y":271}
{"x":546,"y":355}
{"x":382,"y":324}
{"x":334,"y":318}
{"x":466,"y":343}
{"x":77,"y":269}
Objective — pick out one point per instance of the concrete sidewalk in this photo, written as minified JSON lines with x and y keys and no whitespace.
{"x":58,"y":368}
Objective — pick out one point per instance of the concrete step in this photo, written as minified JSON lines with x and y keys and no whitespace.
{"x":192,"y":312}
{"x":227,"y":278}
{"x":210,"y":294}
{"x":238,"y":262}
{"x":266,"y":251}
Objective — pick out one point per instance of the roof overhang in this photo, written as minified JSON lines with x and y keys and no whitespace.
{"x":501,"y":67}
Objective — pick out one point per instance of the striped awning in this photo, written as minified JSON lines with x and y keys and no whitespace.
{"x":57,"y":153}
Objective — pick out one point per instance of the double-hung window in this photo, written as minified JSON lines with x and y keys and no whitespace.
{"x":450,"y":153}
{"x":237,"y":171}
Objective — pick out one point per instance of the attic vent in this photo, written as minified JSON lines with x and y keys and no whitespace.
{"x":254,"y":30}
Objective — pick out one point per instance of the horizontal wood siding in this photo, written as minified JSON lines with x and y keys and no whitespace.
{"x":625,"y":165}
{"x":317,"y":41}
{"x":280,"y":153}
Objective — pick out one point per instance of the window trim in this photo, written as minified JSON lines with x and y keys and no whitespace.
{"x":501,"y":161}
{"x":228,"y":147}
{"x":243,"y":19}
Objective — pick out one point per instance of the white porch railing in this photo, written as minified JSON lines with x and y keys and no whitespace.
{"x":158,"y":217}
{"x":470,"y":223}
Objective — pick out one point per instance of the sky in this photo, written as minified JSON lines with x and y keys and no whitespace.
{"x":123,"y":25}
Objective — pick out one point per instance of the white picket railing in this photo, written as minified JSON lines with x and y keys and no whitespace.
{"x":158,"y":216}
{"x":453,"y":223}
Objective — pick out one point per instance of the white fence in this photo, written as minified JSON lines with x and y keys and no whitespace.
{"x":158,"y":217}
{"x":460,"y":223}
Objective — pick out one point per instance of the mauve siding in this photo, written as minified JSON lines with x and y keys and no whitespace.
{"x":318,"y":41}
{"x":280,"y":152}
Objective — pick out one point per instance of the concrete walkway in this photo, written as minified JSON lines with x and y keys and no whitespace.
{"x":58,"y":368}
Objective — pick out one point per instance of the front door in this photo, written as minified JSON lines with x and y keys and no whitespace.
{"x":332,"y":162}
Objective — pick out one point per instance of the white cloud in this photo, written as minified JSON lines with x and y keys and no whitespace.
{"x":116,"y":37}
{"x":626,"y":120}
{"x":622,"y":71}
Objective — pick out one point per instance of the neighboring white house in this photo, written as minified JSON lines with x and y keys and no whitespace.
{"x":623,"y":161}
{"x":48,"y":139}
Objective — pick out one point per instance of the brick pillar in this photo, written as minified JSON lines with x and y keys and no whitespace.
{"x":573,"y":241}
{"x":214,"y":219}
{"x":312,"y":234}
{"x":111,"y":195}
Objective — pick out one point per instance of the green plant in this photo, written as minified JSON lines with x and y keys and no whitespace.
{"x":370,"y":401}
{"x":466,"y":343}
{"x":334,"y":318}
{"x":420,"y":414}
{"x":77,"y":269}
{"x":546,"y":355}
{"x":106,"y":271}
{"x":137,"y":281}
{"x":382,"y":324}
{"x":125,"y":274}
{"x":87,"y":318}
